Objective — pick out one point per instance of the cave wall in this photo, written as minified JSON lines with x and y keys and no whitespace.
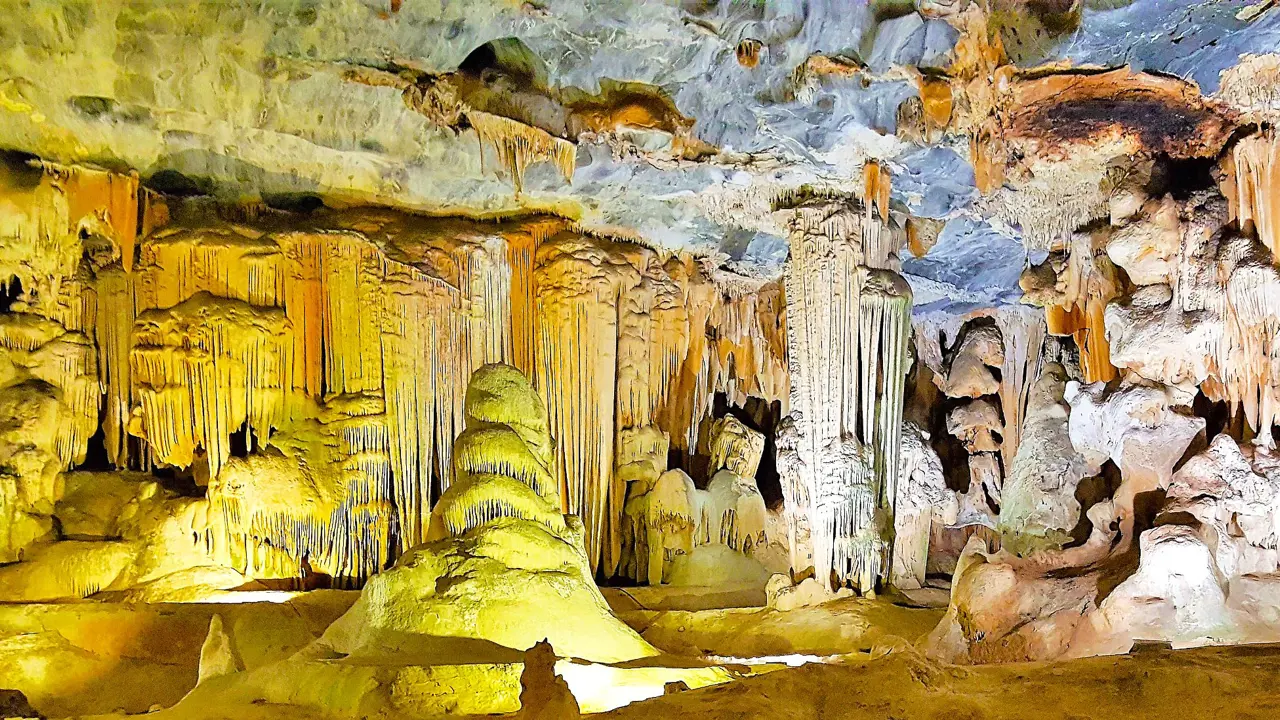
{"x":336,"y":347}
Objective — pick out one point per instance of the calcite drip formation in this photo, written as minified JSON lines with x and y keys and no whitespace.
{"x":477,"y":420}
{"x":498,"y":611}
{"x":1121,"y":518}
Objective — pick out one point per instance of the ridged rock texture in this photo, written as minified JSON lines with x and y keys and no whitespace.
{"x":333,"y":350}
{"x":848,"y":324}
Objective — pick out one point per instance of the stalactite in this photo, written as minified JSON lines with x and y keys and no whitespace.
{"x":577,"y":348}
{"x":115,"y":339}
{"x":877,"y":186}
{"x":1023,"y":331}
{"x":1253,"y":186}
{"x":848,"y":323}
{"x":340,"y":274}
{"x":750,"y":347}
{"x":1074,"y":287}
{"x":204,"y":368}
{"x":41,"y":227}
{"x":522,"y":246}
{"x":518,"y":145}
{"x":937,"y":102}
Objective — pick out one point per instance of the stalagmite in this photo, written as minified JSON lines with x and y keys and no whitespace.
{"x":1144,"y":430}
{"x":1038,"y":502}
{"x":502,"y":564}
{"x":923,"y":499}
{"x":733,"y":512}
{"x":642,"y":461}
{"x":973,"y":424}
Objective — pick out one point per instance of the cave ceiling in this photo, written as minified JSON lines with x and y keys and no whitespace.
{"x":293,"y":98}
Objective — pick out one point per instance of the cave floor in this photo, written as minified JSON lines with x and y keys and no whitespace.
{"x":1224,"y":682}
{"x":90,"y":658}
{"x":82,"y":658}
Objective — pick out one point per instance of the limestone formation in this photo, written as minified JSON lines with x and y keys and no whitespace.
{"x":977,"y":425}
{"x":503,"y":565}
{"x":923,"y":501}
{"x":224,"y":333}
{"x":218,"y":653}
{"x":735,"y":447}
{"x":1039,"y":502}
{"x":391,"y":358}
{"x":544,"y":695}
{"x":847,"y":326}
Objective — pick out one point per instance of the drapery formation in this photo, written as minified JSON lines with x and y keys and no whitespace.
{"x":220,"y":342}
{"x":848,"y":326}
{"x":627,"y":341}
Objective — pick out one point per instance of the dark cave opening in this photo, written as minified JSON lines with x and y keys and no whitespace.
{"x":96,"y":458}
{"x":10,"y":292}
{"x":244,"y":441}
{"x":763,"y":417}
{"x":757,"y":414}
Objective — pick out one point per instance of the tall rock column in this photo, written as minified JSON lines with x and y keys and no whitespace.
{"x":848,"y":321}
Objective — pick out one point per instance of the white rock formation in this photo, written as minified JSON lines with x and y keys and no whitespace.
{"x":1038,"y":503}
{"x":1139,"y":428}
{"x":848,"y":329}
{"x":923,"y":500}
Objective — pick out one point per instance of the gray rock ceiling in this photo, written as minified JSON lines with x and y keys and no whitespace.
{"x":247,"y":99}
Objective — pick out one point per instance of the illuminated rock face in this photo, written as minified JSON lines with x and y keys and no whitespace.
{"x":848,"y":325}
{"x":503,"y":568}
{"x":675,"y":530}
{"x":510,"y":337}
{"x":335,"y":352}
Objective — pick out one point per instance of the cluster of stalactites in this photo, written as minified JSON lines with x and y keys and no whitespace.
{"x":41,"y":350}
{"x":360,"y":323}
{"x":1204,"y":311}
{"x":848,"y":324}
{"x":1253,"y":186}
{"x":518,"y":145}
{"x":622,"y":344}
{"x":1074,"y":287}
{"x":42,"y":226}
{"x":436,"y":332}
{"x":320,"y":502}
{"x":330,"y":312}
{"x":204,"y":368}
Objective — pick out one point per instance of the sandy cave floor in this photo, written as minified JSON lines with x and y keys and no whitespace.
{"x":90,"y":658}
{"x":1229,"y":682}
